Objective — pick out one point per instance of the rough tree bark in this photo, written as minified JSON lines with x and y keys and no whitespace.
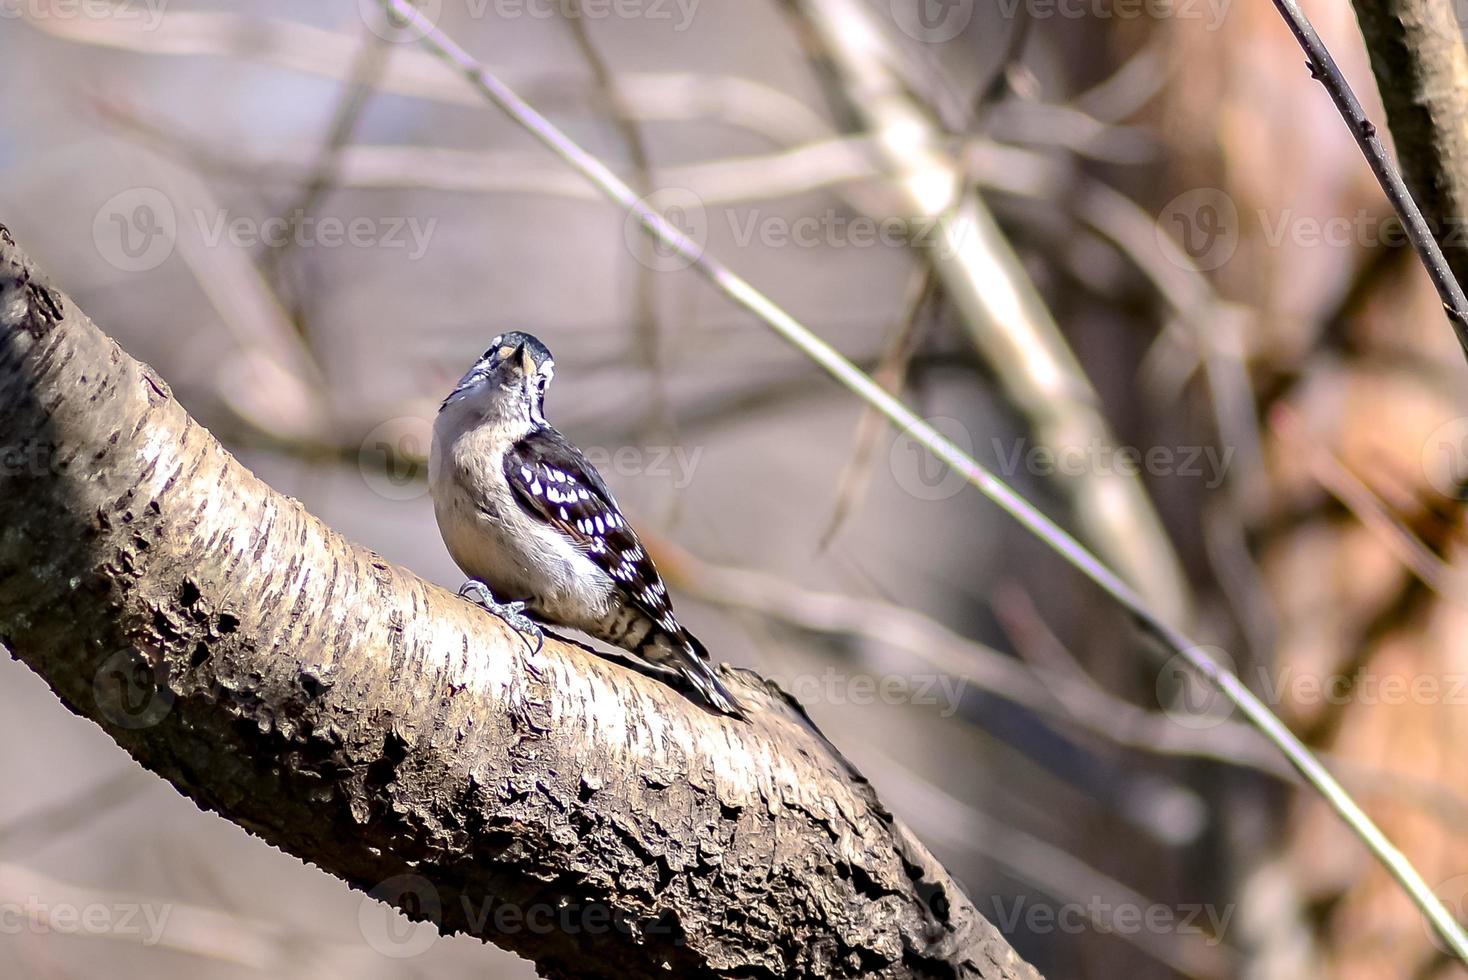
{"x":1421,"y":69}
{"x":558,"y":805}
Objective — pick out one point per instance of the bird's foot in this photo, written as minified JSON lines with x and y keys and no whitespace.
{"x":512,"y":614}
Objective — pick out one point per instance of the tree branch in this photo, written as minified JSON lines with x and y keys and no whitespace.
{"x":1323,"y":68}
{"x":1421,"y":68}
{"x":350,"y":713}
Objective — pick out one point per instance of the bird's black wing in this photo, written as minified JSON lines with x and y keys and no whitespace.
{"x":555,"y":482}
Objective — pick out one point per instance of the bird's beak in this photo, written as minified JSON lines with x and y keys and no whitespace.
{"x":527,"y":363}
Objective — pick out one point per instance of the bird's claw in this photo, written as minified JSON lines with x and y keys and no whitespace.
{"x":512,"y":614}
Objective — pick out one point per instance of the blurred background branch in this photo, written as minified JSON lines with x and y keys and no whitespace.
{"x":983,"y":278}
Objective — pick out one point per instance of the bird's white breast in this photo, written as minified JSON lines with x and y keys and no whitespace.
{"x":492,"y":538}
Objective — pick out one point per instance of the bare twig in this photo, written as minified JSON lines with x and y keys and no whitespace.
{"x":1062,"y":693}
{"x":164,"y":923}
{"x":1055,"y":872}
{"x":890,"y":373}
{"x":1363,"y":503}
{"x":1323,"y":69}
{"x":645,"y":325}
{"x":294,"y":46}
{"x":277,"y":381}
{"x":47,"y":823}
{"x":1421,"y":68}
{"x":1047,"y":693}
{"x":366,"y":71}
{"x":998,"y":83}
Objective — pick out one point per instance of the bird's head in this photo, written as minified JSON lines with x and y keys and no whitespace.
{"x":514,"y":371}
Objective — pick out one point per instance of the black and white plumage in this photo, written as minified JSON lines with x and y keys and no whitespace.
{"x":556,"y":483}
{"x":526,"y":515}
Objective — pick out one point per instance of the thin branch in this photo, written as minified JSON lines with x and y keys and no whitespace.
{"x":1068,"y":699}
{"x":1064,"y":127}
{"x":271,"y":948}
{"x":1323,"y":69}
{"x":728,"y":100}
{"x":47,"y":823}
{"x":366,"y":71}
{"x":891,"y":374}
{"x":1051,"y":695}
{"x":1370,"y":510}
{"x":645,"y":325}
{"x":998,"y":83}
{"x":1421,"y":68}
{"x":1055,"y":872}
{"x":1125,"y":91}
{"x":1064,"y":544}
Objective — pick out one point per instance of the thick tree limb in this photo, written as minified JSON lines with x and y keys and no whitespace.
{"x":345,"y":710}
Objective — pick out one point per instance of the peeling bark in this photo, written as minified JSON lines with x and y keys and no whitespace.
{"x":350,"y":713}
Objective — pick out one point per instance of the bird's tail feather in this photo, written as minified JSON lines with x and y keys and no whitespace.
{"x":694,"y":668}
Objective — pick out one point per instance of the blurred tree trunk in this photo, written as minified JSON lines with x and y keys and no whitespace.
{"x":1421,"y":69}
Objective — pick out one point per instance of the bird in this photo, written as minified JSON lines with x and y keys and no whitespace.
{"x":528,"y":518}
